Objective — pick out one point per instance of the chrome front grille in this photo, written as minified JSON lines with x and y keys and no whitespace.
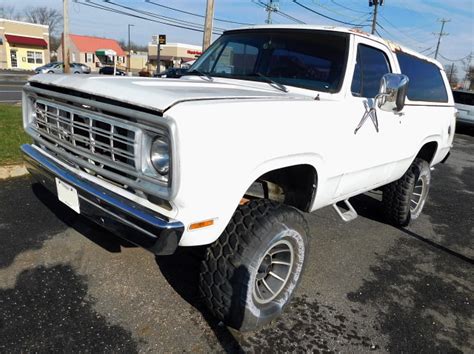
{"x":102,"y":143}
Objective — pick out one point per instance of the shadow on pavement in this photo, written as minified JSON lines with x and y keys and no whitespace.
{"x":24,"y":225}
{"x":181,"y":270}
{"x":48,"y":310}
{"x":82,"y":225}
{"x":465,"y":129}
{"x":369,"y":206}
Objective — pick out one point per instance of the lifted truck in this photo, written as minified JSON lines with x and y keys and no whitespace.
{"x":270,"y":122}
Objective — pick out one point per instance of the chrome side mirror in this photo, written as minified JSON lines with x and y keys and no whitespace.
{"x":392,"y":93}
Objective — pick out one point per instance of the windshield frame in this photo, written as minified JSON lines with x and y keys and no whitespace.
{"x":293,"y":31}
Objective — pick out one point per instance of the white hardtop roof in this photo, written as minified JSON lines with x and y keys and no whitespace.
{"x":393,"y":46}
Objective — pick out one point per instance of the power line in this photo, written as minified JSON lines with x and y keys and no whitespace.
{"x":452,"y":60}
{"x":197,"y":15}
{"x":282,"y":14}
{"x":394,"y":37}
{"x":91,"y":4}
{"x":365,"y":22}
{"x":151,"y":14}
{"x":340,"y":13}
{"x":279,"y":12}
{"x":398,"y":29}
{"x":427,"y":49}
{"x":325,"y":16}
{"x":347,"y":8}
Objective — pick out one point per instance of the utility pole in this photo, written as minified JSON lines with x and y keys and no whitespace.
{"x":129,"y":50}
{"x":66,"y":36}
{"x":272,"y":6}
{"x":440,"y":34}
{"x":375,"y":4}
{"x":206,"y":41}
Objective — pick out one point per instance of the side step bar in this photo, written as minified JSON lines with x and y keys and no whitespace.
{"x":347,"y":215}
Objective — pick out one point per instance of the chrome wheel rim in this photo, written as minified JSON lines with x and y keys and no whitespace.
{"x":418,"y":195}
{"x":273,"y":271}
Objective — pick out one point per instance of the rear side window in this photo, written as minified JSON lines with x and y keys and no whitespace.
{"x":426,"y":82}
{"x":464,"y":98}
{"x":371,"y":65}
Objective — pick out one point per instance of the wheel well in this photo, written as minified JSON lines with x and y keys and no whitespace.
{"x":293,"y":185}
{"x":428,"y":151}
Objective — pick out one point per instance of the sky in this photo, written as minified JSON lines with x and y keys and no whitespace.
{"x":408,"y":22}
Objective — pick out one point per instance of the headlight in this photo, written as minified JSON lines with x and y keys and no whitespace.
{"x":160,"y":155}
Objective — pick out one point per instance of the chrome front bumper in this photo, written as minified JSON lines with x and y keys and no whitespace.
{"x":123,"y":217}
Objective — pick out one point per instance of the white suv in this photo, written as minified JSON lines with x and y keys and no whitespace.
{"x":465,"y":104}
{"x":269,"y":122}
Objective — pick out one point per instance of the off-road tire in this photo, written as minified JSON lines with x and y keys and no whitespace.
{"x":397,"y":196}
{"x":229,"y":270}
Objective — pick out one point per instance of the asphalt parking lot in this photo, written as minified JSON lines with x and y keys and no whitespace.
{"x":10,"y":92}
{"x":67,"y":285}
{"x":11,"y":84}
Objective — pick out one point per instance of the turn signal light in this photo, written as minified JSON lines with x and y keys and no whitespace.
{"x":200,"y":225}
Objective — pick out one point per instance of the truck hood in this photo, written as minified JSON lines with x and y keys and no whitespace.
{"x":160,"y":94}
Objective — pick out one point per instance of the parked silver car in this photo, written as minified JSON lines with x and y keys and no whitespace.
{"x":58,"y":68}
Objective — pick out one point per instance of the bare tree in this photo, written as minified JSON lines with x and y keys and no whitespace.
{"x":469,"y":72}
{"x":45,"y":16}
{"x":452,"y":73}
{"x":8,"y":12}
{"x":471,"y":77}
{"x":133,"y":46}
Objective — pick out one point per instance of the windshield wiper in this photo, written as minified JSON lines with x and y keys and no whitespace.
{"x":201,"y":74}
{"x":273,"y":83}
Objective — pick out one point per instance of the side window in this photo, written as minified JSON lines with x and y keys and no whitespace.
{"x":426,"y":82}
{"x":371,"y":65}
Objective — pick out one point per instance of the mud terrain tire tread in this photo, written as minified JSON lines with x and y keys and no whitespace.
{"x":222,"y":267}
{"x":397,"y":195}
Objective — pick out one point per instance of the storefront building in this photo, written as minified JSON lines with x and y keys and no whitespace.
{"x":92,"y":51}
{"x":173,"y":54}
{"x":23,"y":45}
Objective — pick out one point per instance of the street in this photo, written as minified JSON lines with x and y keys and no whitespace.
{"x":10,"y":92}
{"x":11,"y":84}
{"x":67,"y":285}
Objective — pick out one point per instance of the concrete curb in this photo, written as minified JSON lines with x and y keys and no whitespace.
{"x":11,"y":171}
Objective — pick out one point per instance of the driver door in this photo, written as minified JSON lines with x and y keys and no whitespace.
{"x":373,"y":134}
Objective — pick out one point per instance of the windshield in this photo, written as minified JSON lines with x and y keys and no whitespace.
{"x":309,"y":59}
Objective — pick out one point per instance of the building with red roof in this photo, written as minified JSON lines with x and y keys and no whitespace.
{"x":95,"y":52}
